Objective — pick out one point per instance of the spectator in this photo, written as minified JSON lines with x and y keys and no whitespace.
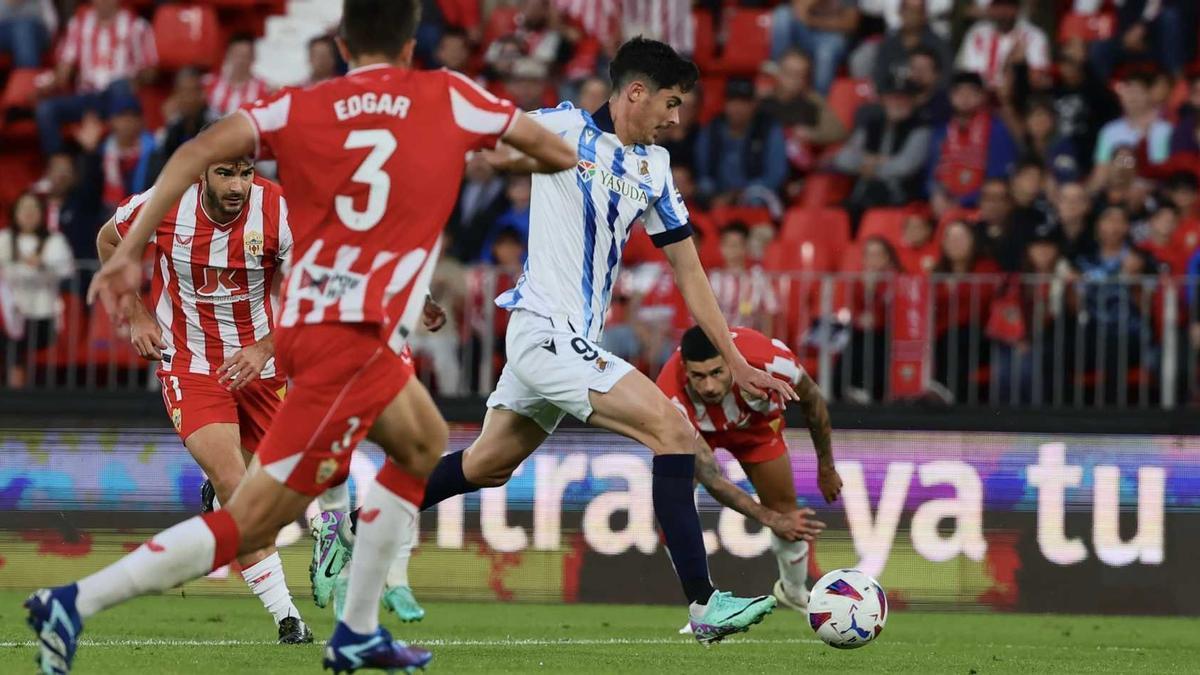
{"x":807,"y":120}
{"x":1160,"y":243}
{"x":1042,"y":142}
{"x":741,"y":155}
{"x":593,"y":93}
{"x":1027,"y":316}
{"x":453,"y":51}
{"x":862,"y":375}
{"x":1183,"y":190}
{"x":449,"y":286}
{"x":23,"y":31}
{"x":918,"y":252}
{"x":821,"y":28}
{"x":324,"y":62}
{"x":668,"y":21}
{"x":126,"y":154}
{"x":925,"y":72}
{"x":1114,"y":324}
{"x":744,"y":292}
{"x":987,"y":45}
{"x":1084,"y":103}
{"x":972,"y":147}
{"x":1185,"y":137}
{"x":887,"y":152}
{"x":899,"y":45}
{"x":1146,"y":30}
{"x":1139,"y":126}
{"x":995,"y":236}
{"x":188,"y":113}
{"x":481,"y":201}
{"x":108,"y":49}
{"x":536,"y":35}
{"x":33,"y":262}
{"x":1123,"y":187}
{"x":1071,"y":212}
{"x":528,"y":85}
{"x":962,"y":301}
{"x":515,"y":219}
{"x":236,"y":84}
{"x":70,"y":190}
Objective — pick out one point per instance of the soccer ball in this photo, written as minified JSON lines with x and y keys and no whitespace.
{"x":847,"y":609}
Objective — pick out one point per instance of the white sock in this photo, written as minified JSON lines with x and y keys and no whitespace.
{"x":385,"y":523}
{"x":265,"y":579}
{"x":175,"y":555}
{"x":336,"y":498}
{"x":398,"y":573}
{"x":792,"y":557}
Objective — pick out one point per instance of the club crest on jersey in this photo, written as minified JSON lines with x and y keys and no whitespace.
{"x":600,"y":364}
{"x":586,"y":170}
{"x":254,"y":243}
{"x":177,"y":419}
{"x":326,"y":469}
{"x":644,"y":168}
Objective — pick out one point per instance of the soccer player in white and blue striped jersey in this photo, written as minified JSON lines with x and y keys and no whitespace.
{"x":580,"y":221}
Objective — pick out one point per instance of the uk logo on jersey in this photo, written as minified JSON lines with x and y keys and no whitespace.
{"x":586,"y":169}
{"x":220,"y":285}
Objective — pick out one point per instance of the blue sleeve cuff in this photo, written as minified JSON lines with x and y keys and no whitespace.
{"x":671,"y":236}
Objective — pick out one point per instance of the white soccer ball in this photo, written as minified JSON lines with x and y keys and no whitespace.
{"x":847,"y":609}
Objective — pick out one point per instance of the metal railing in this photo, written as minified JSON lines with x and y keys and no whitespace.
{"x":998,"y":340}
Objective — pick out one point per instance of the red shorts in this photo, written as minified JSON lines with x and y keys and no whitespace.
{"x":194,"y":400}
{"x":758,"y":453}
{"x":342,"y":377}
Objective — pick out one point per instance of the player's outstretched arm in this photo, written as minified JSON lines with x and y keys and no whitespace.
{"x":539,"y":150}
{"x":786,"y":526}
{"x":121,"y":276}
{"x":697,"y":293}
{"x":820,"y":428}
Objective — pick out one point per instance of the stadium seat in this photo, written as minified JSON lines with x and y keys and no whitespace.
{"x":750,"y":215}
{"x":187,"y":35}
{"x":1086,"y":27}
{"x":705,"y":54}
{"x":105,"y":347}
{"x":826,"y":228}
{"x":21,"y":90}
{"x":500,"y":22}
{"x":825,"y":189}
{"x":711,"y":98}
{"x":884,"y":222}
{"x":847,"y":95}
{"x":748,"y":44}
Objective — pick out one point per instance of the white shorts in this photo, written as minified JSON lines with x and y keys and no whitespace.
{"x":551,"y":371}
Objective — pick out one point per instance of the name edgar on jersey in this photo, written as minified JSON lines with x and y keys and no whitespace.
{"x":372,"y":103}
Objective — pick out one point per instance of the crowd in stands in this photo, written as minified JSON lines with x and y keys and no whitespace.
{"x":969,"y":140}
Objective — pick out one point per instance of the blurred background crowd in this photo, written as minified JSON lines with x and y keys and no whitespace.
{"x":953,"y":201}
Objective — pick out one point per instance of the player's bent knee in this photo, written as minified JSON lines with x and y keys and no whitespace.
{"x":673,"y":435}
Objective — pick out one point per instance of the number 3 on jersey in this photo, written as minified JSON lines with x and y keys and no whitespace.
{"x":382,"y":144}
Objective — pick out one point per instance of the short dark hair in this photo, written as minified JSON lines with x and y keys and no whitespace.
{"x":654,"y":61}
{"x":1027,"y":161}
{"x":735,"y":227}
{"x":1182,"y":180}
{"x":381,"y":27}
{"x":239,"y":37}
{"x":323,"y":40}
{"x":1167,"y":206}
{"x":695,"y":345}
{"x":928,"y":52}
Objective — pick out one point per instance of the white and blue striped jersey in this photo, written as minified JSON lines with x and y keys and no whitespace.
{"x":580,"y":219}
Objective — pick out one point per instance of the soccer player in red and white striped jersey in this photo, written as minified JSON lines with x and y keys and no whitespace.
{"x":372,"y":162}
{"x":216,"y":254}
{"x":235,"y":86}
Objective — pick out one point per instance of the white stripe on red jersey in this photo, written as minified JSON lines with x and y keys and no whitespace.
{"x":212,"y":283}
{"x":225,"y":97}
{"x":373,"y":162}
{"x":104,"y":52}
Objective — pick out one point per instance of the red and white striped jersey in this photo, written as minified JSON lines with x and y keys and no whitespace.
{"x":225,"y":97}
{"x":372,"y":162}
{"x":211,"y":290}
{"x":668,"y":21}
{"x":736,"y":423}
{"x":106,"y":51}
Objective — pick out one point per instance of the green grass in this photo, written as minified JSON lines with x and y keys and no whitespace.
{"x":151,"y":635}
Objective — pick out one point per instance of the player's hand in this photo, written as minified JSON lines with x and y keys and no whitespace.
{"x":759,"y":384}
{"x":119,"y":279}
{"x":830,"y":483}
{"x":433,"y":317}
{"x":146,"y":336}
{"x":796,"y":525}
{"x":244,"y":366}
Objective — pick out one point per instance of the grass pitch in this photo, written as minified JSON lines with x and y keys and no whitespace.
{"x":209,"y":635}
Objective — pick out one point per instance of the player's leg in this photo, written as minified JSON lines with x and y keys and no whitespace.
{"x":189,"y":550}
{"x":776,"y":489}
{"x":636,"y":408}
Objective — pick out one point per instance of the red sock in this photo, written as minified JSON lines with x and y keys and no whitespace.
{"x":225,"y":533}
{"x":401,"y":483}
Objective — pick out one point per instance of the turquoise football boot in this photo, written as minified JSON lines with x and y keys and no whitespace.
{"x":725,"y":615}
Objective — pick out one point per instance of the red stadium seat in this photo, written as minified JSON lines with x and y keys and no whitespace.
{"x":884,"y":222}
{"x":500,"y":22}
{"x":750,"y":215}
{"x":705,"y":54}
{"x":826,"y":228}
{"x":749,"y":41}
{"x":21,"y":90}
{"x":187,"y":35}
{"x":1087,"y":27}
{"x":825,"y":189}
{"x":105,"y":346}
{"x":846,"y":96}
